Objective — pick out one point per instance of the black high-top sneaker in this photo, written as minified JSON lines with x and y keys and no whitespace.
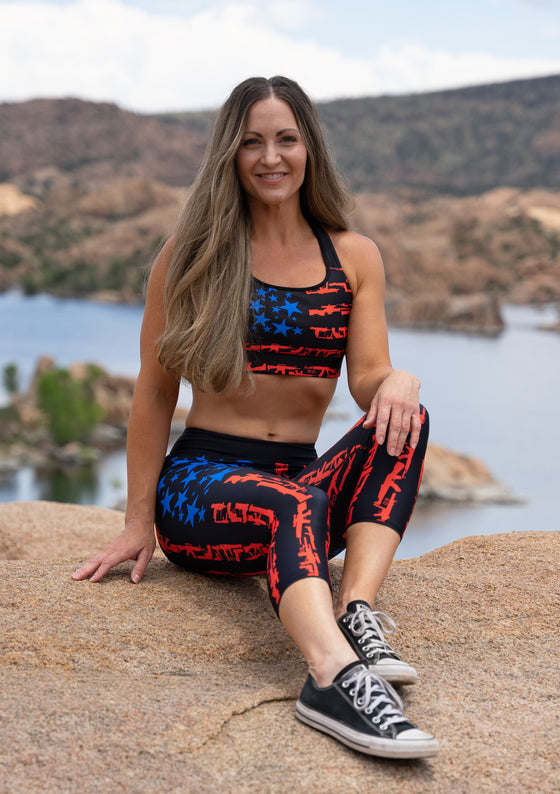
{"x":365,"y":631}
{"x":363,"y":711}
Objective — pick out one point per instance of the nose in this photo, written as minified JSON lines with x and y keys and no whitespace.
{"x":270,"y":155}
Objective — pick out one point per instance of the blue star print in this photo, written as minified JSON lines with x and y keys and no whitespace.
{"x":290,"y":307}
{"x":281,"y":328}
{"x":166,"y":502}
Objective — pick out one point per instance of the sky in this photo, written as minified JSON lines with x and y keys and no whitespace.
{"x":174,"y":55}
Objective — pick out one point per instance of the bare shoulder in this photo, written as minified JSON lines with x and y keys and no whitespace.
{"x":162,"y":261}
{"x":359,"y":256}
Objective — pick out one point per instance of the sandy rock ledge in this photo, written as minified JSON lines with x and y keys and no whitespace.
{"x":187,"y":683}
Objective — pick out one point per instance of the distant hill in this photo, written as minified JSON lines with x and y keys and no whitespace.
{"x":461,"y":142}
{"x":44,"y":139}
{"x":460,"y":189}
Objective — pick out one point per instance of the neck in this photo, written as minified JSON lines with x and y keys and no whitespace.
{"x":278,"y":224}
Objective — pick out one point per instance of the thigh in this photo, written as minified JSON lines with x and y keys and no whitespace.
{"x":205,"y":524}
{"x":223,"y":518}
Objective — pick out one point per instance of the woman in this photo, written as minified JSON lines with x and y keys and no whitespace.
{"x":255,"y":301}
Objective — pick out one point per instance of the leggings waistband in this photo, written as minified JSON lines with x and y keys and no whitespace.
{"x":228,"y":448}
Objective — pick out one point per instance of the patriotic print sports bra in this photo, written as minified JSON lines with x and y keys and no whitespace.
{"x":301,"y":331}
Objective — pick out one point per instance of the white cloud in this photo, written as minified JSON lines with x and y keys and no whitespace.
{"x":290,"y":14}
{"x":105,"y":50}
{"x":410,"y":67}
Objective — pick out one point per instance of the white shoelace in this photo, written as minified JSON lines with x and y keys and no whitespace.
{"x":371,"y":627}
{"x":373,"y":694}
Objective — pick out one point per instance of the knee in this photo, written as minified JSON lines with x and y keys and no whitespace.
{"x":319,"y":501}
{"x":309,"y":501}
{"x":425,"y":423}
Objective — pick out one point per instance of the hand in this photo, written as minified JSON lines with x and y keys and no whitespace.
{"x":395,"y":411}
{"x":136,"y":542}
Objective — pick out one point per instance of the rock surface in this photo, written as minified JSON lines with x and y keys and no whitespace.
{"x":187,"y":683}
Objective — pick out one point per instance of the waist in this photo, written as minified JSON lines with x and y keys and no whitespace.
{"x":276,"y":457}
{"x":273,"y":407}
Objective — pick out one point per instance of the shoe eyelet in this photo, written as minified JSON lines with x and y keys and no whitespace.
{"x":345,"y":684}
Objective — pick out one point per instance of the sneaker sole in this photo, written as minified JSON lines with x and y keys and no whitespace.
{"x":395,"y":674}
{"x":371,"y":745}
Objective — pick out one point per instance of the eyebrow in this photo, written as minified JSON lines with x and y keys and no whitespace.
{"x":280,"y":132}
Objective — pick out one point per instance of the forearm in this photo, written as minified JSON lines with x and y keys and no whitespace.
{"x":148,"y":435}
{"x":364,"y":388}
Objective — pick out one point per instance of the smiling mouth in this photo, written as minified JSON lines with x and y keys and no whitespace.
{"x":272,"y":177}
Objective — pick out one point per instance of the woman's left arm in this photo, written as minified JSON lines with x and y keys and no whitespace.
{"x":388,"y":396}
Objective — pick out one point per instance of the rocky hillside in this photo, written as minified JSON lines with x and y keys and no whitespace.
{"x":461,"y":142}
{"x":449,"y":260}
{"x":89,"y":191}
{"x":83,"y":238}
{"x":44,"y":140}
{"x":464,"y":141}
{"x":504,"y":244}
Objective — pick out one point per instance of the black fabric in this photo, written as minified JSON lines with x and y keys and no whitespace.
{"x":301,"y":331}
{"x":231,"y":505}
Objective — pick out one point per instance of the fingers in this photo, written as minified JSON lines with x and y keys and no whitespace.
{"x":415,"y":428}
{"x":136,"y":542}
{"x":87,"y":568}
{"x":371,"y":415}
{"x":395,"y":412}
{"x":98,"y":566}
{"x":383,"y":424}
{"x":141,"y":564}
{"x":399,"y":428}
{"x":396,"y":425}
{"x":106,"y":565}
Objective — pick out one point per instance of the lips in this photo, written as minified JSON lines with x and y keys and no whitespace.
{"x":272,"y":177}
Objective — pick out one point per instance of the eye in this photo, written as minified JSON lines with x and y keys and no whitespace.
{"x":288,"y":140}
{"x":251,"y":142}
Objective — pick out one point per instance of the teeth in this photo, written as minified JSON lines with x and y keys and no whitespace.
{"x":271,"y":176}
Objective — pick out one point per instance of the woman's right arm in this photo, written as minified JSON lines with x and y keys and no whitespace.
{"x":153,"y":404}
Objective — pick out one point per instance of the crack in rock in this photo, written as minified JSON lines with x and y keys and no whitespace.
{"x":214,"y":736}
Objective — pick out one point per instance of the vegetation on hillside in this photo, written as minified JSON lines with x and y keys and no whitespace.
{"x":97,"y":197}
{"x":462,"y":142}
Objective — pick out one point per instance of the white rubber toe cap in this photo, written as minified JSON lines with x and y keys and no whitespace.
{"x":414,"y":734}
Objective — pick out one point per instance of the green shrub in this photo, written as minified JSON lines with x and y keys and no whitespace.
{"x":69,"y":404}
{"x":11,"y":378}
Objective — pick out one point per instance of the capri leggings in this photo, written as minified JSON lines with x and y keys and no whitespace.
{"x":233,"y":505}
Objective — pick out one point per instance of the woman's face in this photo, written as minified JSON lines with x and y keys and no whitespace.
{"x":272,"y":156}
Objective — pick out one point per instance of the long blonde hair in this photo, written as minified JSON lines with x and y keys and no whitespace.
{"x":207,"y":291}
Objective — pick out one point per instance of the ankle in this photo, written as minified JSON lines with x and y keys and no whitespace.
{"x":325,"y":670}
{"x":341,"y":607}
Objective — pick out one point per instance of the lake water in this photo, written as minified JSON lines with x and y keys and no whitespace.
{"x":494,"y":398}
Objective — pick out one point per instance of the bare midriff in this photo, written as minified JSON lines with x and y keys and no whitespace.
{"x":278,"y":408}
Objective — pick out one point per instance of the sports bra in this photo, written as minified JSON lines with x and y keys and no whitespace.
{"x":301,"y":330}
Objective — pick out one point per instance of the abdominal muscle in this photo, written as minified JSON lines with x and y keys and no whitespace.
{"x":278,"y":408}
